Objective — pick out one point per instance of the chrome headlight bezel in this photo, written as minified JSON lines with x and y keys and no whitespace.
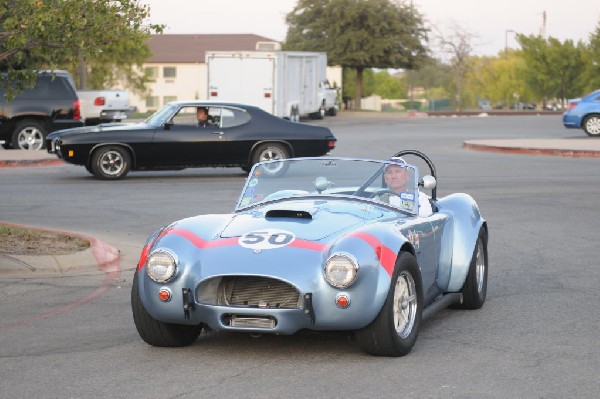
{"x":165,"y":259}
{"x":341,"y":262}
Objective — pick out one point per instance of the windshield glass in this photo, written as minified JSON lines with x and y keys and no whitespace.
{"x":161,"y":116}
{"x":386,"y":182}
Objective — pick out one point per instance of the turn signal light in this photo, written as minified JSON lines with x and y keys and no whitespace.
{"x":164,"y":294}
{"x":342,"y":301}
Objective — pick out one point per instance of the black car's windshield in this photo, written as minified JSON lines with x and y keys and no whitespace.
{"x":392,"y":183}
{"x":161,"y":116}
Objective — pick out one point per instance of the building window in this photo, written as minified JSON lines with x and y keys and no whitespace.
{"x":168,"y":99}
{"x":169,"y":72}
{"x":152,"y":102}
{"x":151,"y":72}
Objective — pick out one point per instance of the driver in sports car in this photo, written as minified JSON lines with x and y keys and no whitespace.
{"x":396,"y":177}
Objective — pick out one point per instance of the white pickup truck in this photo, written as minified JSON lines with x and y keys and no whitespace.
{"x":100,"y":106}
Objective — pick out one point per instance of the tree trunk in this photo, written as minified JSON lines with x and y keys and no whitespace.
{"x":359,"y":83}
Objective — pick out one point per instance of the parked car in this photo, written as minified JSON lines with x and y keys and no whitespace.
{"x":103,"y":106}
{"x":240,"y":135}
{"x":313,"y":245}
{"x":52,"y":104}
{"x":584,"y":113}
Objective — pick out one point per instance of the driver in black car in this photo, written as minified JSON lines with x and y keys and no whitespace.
{"x":396,"y":178}
{"x":202,"y":115}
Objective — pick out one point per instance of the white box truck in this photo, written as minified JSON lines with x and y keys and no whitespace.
{"x":288,"y":84}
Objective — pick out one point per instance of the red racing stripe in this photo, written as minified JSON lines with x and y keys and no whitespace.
{"x":386,"y":256}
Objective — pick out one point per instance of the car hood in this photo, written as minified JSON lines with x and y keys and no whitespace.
{"x":311,"y":220}
{"x":104,"y":127}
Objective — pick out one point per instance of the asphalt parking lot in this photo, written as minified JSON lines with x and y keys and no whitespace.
{"x":538,"y":335}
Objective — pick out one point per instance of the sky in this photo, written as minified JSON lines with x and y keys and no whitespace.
{"x":491,"y":23}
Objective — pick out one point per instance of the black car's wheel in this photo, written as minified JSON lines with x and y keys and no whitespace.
{"x":474,"y":289}
{"x":29,"y":135}
{"x":157,"y":333}
{"x":110,"y":163}
{"x":591,"y":125}
{"x":270,"y":152}
{"x":395,"y":329}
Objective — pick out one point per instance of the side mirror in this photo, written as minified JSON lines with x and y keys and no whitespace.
{"x":428,"y":182}
{"x":168,"y":125}
{"x":321,"y":183}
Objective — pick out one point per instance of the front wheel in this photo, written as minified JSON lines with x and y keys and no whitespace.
{"x":591,"y":125}
{"x":395,"y":329}
{"x":157,"y":333}
{"x":110,"y":163}
{"x":29,"y":135}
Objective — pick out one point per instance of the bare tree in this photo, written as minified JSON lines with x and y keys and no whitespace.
{"x":457,"y":46}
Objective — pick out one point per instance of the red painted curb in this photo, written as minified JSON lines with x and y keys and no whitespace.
{"x":534,"y":151}
{"x":107,"y":259}
{"x":26,"y":163}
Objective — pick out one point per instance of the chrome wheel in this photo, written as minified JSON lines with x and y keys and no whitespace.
{"x":112,"y":163}
{"x":405,"y":304}
{"x":30,"y":138}
{"x":592,"y":125}
{"x":480,"y":266}
{"x":271,"y":152}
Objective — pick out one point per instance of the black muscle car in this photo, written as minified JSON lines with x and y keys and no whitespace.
{"x":236,"y":135}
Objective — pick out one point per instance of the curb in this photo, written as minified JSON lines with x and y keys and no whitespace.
{"x":30,"y":162}
{"x":523,"y":150}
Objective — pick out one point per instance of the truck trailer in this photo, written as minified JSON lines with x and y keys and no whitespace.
{"x":288,"y":84}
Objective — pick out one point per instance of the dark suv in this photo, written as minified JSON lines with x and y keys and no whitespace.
{"x":52,"y":104}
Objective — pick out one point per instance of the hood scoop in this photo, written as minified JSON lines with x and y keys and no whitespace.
{"x":288,"y":213}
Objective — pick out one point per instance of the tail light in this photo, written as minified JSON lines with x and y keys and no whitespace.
{"x":76,"y":109}
{"x":99,"y":101}
{"x":214,"y":94}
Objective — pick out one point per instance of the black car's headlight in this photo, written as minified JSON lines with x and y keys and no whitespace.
{"x":341,"y":270}
{"x":161,"y":265}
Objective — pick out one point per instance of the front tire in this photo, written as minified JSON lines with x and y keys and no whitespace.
{"x":591,"y":125}
{"x":29,"y":135}
{"x":395,"y":329}
{"x":157,"y":333}
{"x":110,"y":163}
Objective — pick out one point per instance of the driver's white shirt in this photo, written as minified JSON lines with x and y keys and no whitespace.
{"x":424,"y":204}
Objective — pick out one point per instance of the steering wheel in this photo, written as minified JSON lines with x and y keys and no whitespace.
{"x":380,"y":192}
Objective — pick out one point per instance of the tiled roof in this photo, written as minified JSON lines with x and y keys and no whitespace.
{"x":192,"y":48}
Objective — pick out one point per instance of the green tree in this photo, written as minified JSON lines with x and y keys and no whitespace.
{"x":592,"y":76}
{"x":498,"y":79}
{"x":359,"y":34}
{"x":554,"y":69}
{"x":57,"y":34}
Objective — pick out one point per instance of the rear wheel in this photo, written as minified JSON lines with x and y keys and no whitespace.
{"x":320,"y":114}
{"x":591,"y":125}
{"x":395,"y":329}
{"x":157,"y":333}
{"x":110,"y":163}
{"x":270,"y":152}
{"x":29,"y":135}
{"x":474,"y":289}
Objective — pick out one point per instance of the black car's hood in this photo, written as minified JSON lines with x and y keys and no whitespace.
{"x":103,"y":127}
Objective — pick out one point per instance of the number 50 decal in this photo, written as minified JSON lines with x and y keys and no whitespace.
{"x":266,"y":239}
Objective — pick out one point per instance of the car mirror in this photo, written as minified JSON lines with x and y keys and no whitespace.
{"x":321,"y":183}
{"x":168,"y":125}
{"x":428,"y":182}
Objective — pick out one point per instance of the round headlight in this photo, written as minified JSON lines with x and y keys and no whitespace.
{"x":341,"y":270}
{"x":161,"y":266}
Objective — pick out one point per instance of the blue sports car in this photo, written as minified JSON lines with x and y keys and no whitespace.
{"x":584,"y":113}
{"x":317,"y":244}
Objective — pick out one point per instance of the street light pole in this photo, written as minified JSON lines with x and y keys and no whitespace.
{"x":506,"y":32}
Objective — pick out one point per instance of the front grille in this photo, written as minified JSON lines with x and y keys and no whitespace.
{"x":258,"y":292}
